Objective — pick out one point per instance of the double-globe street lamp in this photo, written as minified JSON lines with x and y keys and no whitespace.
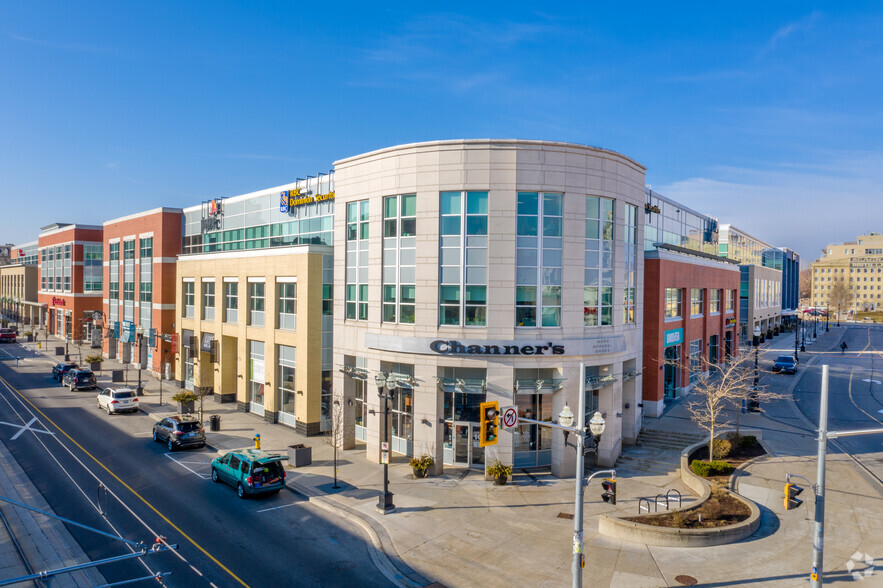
{"x":593,"y":433}
{"x":384,"y":382}
{"x":752,"y":396}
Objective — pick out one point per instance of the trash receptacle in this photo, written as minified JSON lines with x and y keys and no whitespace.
{"x":215,"y":422}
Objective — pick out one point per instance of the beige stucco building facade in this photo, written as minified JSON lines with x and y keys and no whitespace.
{"x":487,"y":270}
{"x":859,"y":266}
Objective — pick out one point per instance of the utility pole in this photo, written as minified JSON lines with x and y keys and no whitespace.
{"x":818,"y":525}
{"x":576,"y":567}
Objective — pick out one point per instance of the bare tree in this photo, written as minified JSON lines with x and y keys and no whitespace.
{"x":335,"y":437}
{"x":201,"y":392}
{"x":840,"y":296}
{"x":805,"y":283}
{"x":720,"y":387}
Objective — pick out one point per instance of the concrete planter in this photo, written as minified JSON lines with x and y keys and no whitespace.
{"x":672,"y":537}
{"x":185,"y":407}
{"x":300,"y":455}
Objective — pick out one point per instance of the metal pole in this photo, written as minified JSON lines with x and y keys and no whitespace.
{"x":140,"y":390}
{"x":385,"y":505}
{"x":756,"y":346}
{"x":578,"y":561}
{"x":816,"y":579}
{"x":796,"y":333}
{"x":826,"y":319}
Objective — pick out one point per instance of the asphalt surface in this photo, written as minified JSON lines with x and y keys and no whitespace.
{"x":92,"y":469}
{"x":855,"y":393}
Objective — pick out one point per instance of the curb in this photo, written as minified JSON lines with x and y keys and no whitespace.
{"x":383,"y":552}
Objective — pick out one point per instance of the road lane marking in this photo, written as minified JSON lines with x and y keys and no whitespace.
{"x":126,"y":486}
{"x":192,"y":471}
{"x":278,"y":507}
{"x":23,"y":428}
{"x":872,"y":417}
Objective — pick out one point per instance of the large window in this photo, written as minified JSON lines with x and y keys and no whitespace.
{"x":695,"y":360}
{"x":463,"y":259}
{"x":208,"y":300}
{"x":287,"y":304}
{"x":256,"y":303}
{"x":697,"y":301}
{"x":189,"y":299}
{"x":673,"y":303}
{"x":538,"y":272}
{"x":631,"y":264}
{"x":731,"y":298}
{"x":287,"y":386}
{"x":714,"y":302}
{"x":231,"y":301}
{"x":399,"y":258}
{"x":256,"y":375}
{"x":92,"y":267}
{"x":357,"y":260}
{"x":598,"y":294}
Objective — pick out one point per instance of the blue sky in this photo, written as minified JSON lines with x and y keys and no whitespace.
{"x":766,"y":115}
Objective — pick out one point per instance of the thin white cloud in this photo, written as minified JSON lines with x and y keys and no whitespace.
{"x":76,"y":47}
{"x":801,"y":206}
{"x":112,"y":165}
{"x":787,"y":30}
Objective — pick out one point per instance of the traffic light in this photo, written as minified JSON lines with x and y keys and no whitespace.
{"x":490,"y":423}
{"x":609,"y":494}
{"x":792,"y":491}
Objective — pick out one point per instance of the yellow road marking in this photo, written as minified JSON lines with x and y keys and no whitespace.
{"x":129,"y":488}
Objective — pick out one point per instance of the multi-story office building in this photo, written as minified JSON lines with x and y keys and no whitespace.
{"x":481,"y":270}
{"x":857,"y":267}
{"x":139,"y":286}
{"x":691,"y":303}
{"x":71,"y":279}
{"x":19,"y":282}
{"x":253,"y":290}
{"x":760,"y":292}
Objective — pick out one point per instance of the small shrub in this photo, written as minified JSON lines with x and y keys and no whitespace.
{"x":94,"y":359}
{"x":423,"y":462}
{"x":721,"y":448}
{"x":734,"y":438}
{"x":678,"y":520}
{"x":712,"y":509}
{"x":185,"y":397}
{"x":498,"y":469}
{"x":710,"y":468}
{"x":748,"y":441}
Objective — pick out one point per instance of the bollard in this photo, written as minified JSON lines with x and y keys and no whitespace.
{"x":257,"y":440}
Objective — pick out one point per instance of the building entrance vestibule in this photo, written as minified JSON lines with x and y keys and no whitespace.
{"x":671,"y":371}
{"x":467,"y":449}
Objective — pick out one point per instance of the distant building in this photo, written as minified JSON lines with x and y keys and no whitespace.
{"x":859,"y":266}
{"x":691,"y":300}
{"x":19,"y":282}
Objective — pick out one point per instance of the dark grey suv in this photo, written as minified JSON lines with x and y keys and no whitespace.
{"x":79,"y":379}
{"x":179,"y":431}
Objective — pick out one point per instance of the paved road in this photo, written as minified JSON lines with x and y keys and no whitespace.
{"x":69,"y":448}
{"x":855,"y":389}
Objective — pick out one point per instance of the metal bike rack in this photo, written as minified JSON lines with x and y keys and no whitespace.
{"x":641,"y":507}
{"x":677,"y":496}
{"x":658,"y":502}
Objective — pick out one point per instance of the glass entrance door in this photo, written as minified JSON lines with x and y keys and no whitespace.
{"x":670,"y":373}
{"x":467,"y":446}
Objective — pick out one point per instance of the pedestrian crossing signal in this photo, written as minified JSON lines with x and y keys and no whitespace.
{"x":490,"y":423}
{"x":792,"y":491}
{"x":609,"y":494}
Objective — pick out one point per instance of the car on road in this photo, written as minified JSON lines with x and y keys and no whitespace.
{"x":179,"y":431}
{"x":786,"y":364}
{"x":60,"y":368}
{"x":115,"y":400}
{"x":7,"y":336}
{"x":250,"y":471}
{"x":79,"y":379}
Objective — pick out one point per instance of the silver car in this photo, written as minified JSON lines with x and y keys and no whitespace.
{"x":118,"y":400}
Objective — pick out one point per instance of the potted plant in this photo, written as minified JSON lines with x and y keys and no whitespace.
{"x":94,"y":362}
{"x":185,"y":400}
{"x":29,"y":335}
{"x":420,"y":465}
{"x":500,"y":472}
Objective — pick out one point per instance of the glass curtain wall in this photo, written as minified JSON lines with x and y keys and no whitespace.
{"x":538,"y":272}
{"x":463,"y":259}
{"x":598,"y":294}
{"x":399,"y":258}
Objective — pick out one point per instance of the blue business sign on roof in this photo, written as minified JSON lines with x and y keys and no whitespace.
{"x":674,"y":337}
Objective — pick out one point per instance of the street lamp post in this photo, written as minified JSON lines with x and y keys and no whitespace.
{"x":596,"y":429}
{"x":838,"y":314}
{"x":140,"y":389}
{"x":752,"y":396}
{"x":826,"y":319}
{"x":796,"y":336}
{"x":384,"y":505}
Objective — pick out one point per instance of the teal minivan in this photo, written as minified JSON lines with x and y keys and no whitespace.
{"x":250,"y":471}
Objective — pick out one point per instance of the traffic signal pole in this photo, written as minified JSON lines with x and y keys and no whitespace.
{"x":818,"y":526}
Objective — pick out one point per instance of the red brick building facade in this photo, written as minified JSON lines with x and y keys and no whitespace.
{"x":139,"y":286}
{"x":70,"y":279}
{"x":691,"y":314}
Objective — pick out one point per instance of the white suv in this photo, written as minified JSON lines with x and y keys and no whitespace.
{"x":114,"y":401}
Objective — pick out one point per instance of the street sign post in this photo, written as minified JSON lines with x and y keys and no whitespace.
{"x":509,"y":418}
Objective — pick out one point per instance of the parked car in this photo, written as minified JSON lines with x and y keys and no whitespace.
{"x":179,"y":431}
{"x":786,"y":364}
{"x":250,"y":471}
{"x":79,"y":379}
{"x":59,"y":369}
{"x":115,"y":400}
{"x":7,"y":336}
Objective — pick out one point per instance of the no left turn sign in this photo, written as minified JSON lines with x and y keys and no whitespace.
{"x":509,"y":418}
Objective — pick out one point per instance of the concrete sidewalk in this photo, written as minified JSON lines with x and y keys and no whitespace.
{"x":460,"y":530}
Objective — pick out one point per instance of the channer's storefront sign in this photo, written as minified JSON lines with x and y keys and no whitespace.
{"x":494,"y":348}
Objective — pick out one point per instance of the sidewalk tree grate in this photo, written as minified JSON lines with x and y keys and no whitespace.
{"x":564,"y":515}
{"x":685,"y":580}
